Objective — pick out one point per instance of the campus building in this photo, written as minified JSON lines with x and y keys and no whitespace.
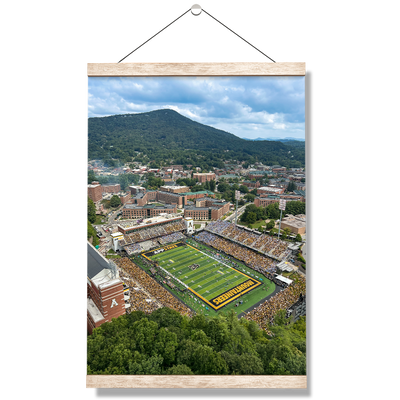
{"x":270,"y":190}
{"x":251,"y":184}
{"x":111,"y":188}
{"x":265,"y":200}
{"x":95,"y":192}
{"x":105,"y":291}
{"x":207,"y":209}
{"x":210,"y":176}
{"x":297,"y":224}
{"x":132,"y":211}
{"x":174,"y":189}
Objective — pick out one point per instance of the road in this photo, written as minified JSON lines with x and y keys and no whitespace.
{"x":239,"y":213}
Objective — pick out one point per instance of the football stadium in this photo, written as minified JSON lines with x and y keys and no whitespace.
{"x":219,"y":269}
{"x":213,"y":281}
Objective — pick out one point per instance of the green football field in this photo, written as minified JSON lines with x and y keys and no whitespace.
{"x":216,"y":283}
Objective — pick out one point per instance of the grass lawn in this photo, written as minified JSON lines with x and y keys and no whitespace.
{"x":197,"y":226}
{"x":100,"y":219}
{"x":256,"y":224}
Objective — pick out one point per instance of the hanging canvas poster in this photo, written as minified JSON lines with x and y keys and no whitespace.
{"x":196,"y":225}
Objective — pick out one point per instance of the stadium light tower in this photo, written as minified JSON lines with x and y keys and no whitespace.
{"x":282,"y":207}
{"x":237,"y":195}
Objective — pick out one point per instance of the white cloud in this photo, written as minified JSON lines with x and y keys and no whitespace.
{"x":244,"y":106}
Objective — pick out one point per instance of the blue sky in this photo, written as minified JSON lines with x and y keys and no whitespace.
{"x":248,"y":107}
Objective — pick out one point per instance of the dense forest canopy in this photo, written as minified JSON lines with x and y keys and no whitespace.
{"x":165,"y":137}
{"x":165,"y":342}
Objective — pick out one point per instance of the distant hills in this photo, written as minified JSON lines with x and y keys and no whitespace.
{"x":277,"y":139}
{"x":165,"y":136}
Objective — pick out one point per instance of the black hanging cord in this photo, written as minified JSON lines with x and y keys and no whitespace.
{"x":205,"y":12}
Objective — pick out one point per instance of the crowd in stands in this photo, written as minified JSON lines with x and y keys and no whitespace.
{"x":138,"y":299}
{"x":148,"y":238}
{"x":263,"y":243}
{"x":133,"y":248}
{"x":173,"y":237}
{"x":153,"y":232}
{"x":264,"y":314}
{"x":151,"y":286}
{"x":251,"y":258}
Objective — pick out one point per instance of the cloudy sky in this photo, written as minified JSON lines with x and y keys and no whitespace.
{"x":248,"y":107}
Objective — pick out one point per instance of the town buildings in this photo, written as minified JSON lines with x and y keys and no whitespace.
{"x":297,"y":224}
{"x":204,"y":177}
{"x":270,"y":190}
{"x":95,"y":192}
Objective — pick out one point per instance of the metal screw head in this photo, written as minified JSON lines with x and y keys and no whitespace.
{"x":196,"y":9}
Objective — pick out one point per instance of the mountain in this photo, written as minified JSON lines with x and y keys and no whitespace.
{"x":165,"y":135}
{"x":276,"y":139}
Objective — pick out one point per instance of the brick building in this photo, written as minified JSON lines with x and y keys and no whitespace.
{"x":132,"y":211}
{"x":251,"y":184}
{"x":278,"y":168}
{"x":95,"y":192}
{"x":197,"y":195}
{"x":124,"y":197}
{"x":265,"y":200}
{"x":111,"y":188}
{"x":105,"y":291}
{"x":256,"y":174}
{"x":297,"y":224}
{"x":207,"y":209}
{"x":210,"y":176}
{"x":137,"y":189}
{"x":174,"y":189}
{"x":270,"y":190}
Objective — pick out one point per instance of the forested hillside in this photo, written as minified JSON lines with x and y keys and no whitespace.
{"x":165,"y":342}
{"x":165,"y":136}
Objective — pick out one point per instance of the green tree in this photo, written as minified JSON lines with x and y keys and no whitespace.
{"x":244,"y":364}
{"x":271,"y":224}
{"x":180,"y":369}
{"x":213,"y":184}
{"x":91,"y":233}
{"x":144,"y":332}
{"x":165,"y":344}
{"x":249,"y":197}
{"x":272,"y":211}
{"x":291,"y":186}
{"x":273,"y":231}
{"x":209,"y":362}
{"x":243,"y":189}
{"x":146,"y":366}
{"x":287,"y":231}
{"x":223,"y":187}
{"x":298,"y":238}
{"x":166,"y":317}
{"x":251,"y":218}
{"x":115,"y":201}
{"x":91,"y":176}
{"x":91,"y":211}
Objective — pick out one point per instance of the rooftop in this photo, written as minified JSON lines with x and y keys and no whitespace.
{"x":157,"y":219}
{"x":95,"y":262}
{"x":94,"y":311}
{"x":270,"y":189}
